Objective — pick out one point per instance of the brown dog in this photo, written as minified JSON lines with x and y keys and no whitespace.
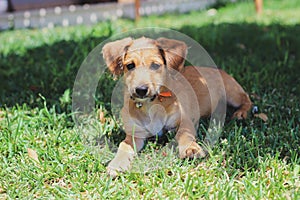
{"x":157,"y":99}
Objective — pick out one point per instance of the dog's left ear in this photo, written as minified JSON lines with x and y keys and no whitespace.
{"x":175,"y":52}
{"x":113,"y":53}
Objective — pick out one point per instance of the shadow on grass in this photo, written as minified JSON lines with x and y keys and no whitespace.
{"x":264,"y":59}
{"x":47,"y":71}
{"x":258,"y":56}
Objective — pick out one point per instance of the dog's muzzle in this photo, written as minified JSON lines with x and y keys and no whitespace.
{"x":142,"y":93}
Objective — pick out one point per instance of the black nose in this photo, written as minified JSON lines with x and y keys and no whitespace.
{"x":141,"y":91}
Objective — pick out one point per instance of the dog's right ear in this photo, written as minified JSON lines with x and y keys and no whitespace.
{"x":113,"y":53}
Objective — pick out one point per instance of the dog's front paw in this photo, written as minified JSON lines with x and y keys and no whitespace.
{"x":122,"y":160}
{"x":191,"y":151}
{"x":117,"y":166}
{"x":113,"y":173}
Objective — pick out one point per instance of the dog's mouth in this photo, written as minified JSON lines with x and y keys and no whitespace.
{"x":139,"y":101}
{"x":138,"y":98}
{"x":144,"y":93}
{"x":160,"y":95}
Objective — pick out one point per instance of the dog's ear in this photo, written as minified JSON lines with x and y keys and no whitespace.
{"x":175,"y":52}
{"x":113,"y":53}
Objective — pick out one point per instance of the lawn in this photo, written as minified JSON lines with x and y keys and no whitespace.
{"x":43,"y":153}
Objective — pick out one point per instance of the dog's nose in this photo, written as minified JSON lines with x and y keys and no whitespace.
{"x":141,"y":91}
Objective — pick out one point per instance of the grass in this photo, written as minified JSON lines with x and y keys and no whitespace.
{"x":252,"y":160}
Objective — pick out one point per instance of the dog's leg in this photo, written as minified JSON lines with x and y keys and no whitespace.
{"x":236,"y":96}
{"x":244,"y":105}
{"x":125,"y":154}
{"x":188,"y":148}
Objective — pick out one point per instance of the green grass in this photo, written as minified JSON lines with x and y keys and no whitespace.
{"x":252,"y":160}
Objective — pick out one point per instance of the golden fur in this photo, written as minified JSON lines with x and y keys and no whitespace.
{"x":149,"y":68}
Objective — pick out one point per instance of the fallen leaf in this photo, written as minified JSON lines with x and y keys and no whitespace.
{"x":101,"y":116}
{"x":2,"y":115}
{"x":32,"y":154}
{"x":262,"y":116}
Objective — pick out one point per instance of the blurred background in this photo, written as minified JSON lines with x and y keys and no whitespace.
{"x":49,"y":13}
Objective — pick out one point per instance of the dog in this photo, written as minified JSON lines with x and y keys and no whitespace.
{"x":156,"y":100}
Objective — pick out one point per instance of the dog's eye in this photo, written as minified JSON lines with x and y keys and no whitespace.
{"x":154,"y":66}
{"x":130,"y":66}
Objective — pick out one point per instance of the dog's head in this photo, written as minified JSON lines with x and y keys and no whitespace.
{"x":145,"y":63}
